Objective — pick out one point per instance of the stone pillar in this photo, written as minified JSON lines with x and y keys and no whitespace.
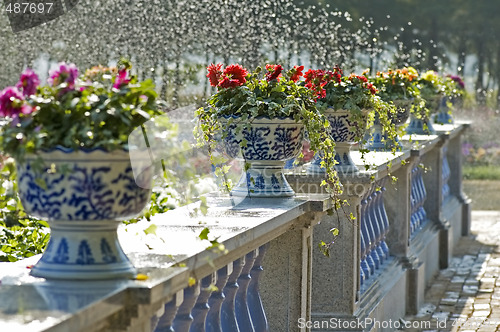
{"x":433,"y":179}
{"x":336,"y":279}
{"x":285,"y":286}
{"x":397,"y":205}
{"x":455,"y":160}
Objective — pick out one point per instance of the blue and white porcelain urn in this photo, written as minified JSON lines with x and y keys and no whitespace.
{"x":84,"y":196}
{"x":269,"y":143}
{"x":346,"y":130}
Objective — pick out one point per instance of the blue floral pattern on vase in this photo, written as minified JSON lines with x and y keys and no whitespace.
{"x":420,"y":126}
{"x":269,"y":143}
{"x":345,"y":130}
{"x":265,"y":142}
{"x":377,"y":140}
{"x":83,"y":195}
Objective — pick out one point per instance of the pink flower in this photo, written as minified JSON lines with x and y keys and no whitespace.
{"x":28,"y":82}
{"x":121,"y":78}
{"x":12,"y":103}
{"x":66,"y":73}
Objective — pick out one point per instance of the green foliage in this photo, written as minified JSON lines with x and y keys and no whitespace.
{"x":100,"y":111}
{"x":20,"y":235}
{"x":18,"y":242}
{"x":398,"y":84}
{"x":356,"y":94}
{"x":481,"y":172}
{"x":259,"y":96}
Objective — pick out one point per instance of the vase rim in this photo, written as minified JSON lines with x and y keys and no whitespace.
{"x":64,"y":149}
{"x":260,"y":117}
{"x":333,"y":110}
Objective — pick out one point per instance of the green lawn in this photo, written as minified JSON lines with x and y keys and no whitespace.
{"x":491,"y":172}
{"x":485,"y":194}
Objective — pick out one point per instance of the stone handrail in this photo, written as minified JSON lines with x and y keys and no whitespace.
{"x":271,"y":276}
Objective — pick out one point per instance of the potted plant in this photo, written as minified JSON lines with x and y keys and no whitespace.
{"x":261,"y":117}
{"x":454,"y":89}
{"x":395,"y":87}
{"x":69,"y":140}
{"x":350,"y":103}
{"x":431,"y":89}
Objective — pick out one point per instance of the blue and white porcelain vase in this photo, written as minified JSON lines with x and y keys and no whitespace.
{"x":377,"y":139}
{"x":84,"y":196}
{"x":420,"y":126}
{"x":443,"y":116}
{"x":269,"y":143}
{"x":346,"y":130}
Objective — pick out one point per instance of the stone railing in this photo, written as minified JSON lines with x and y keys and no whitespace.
{"x":271,"y":275}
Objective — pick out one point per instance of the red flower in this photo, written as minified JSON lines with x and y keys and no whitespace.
{"x":296,"y":73}
{"x":317,"y":79}
{"x":214,"y":73}
{"x":337,"y":73}
{"x":372,"y":88}
{"x":363,"y":78}
{"x":274,"y":71}
{"x":235,"y":72}
{"x":226,"y":82}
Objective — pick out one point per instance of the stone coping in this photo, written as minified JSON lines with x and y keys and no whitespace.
{"x":35,"y":304}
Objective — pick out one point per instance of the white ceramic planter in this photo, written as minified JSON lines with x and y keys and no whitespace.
{"x":270,"y":143}
{"x":84,"y":200}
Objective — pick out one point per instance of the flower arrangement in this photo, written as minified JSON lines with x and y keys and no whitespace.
{"x":355,"y":93}
{"x":243,"y":97}
{"x":432,"y":89}
{"x":247,"y":94}
{"x":457,"y":84}
{"x":333,"y":90}
{"x":98,"y":109}
{"x":398,"y":84}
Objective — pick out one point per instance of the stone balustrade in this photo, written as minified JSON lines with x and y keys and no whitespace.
{"x":271,"y":275}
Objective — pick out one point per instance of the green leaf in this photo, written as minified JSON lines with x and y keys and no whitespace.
{"x":204,"y":234}
{"x":151,"y":229}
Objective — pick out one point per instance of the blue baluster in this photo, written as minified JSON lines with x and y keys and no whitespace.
{"x":213,"y":322}
{"x":365,"y":268}
{"x":385,"y":221}
{"x":184,"y":319}
{"x":241,"y":301}
{"x":165,"y":321}
{"x":365,"y":228}
{"x":371,"y":232}
{"x":446,"y":173}
{"x":255,"y":306}
{"x":413,"y":200}
{"x":377,"y":227}
{"x":418,"y":198}
{"x":228,"y":315}
{"x":201,"y":307}
{"x":423,"y":197}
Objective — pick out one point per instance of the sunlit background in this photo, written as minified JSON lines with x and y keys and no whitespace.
{"x":172,"y":42}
